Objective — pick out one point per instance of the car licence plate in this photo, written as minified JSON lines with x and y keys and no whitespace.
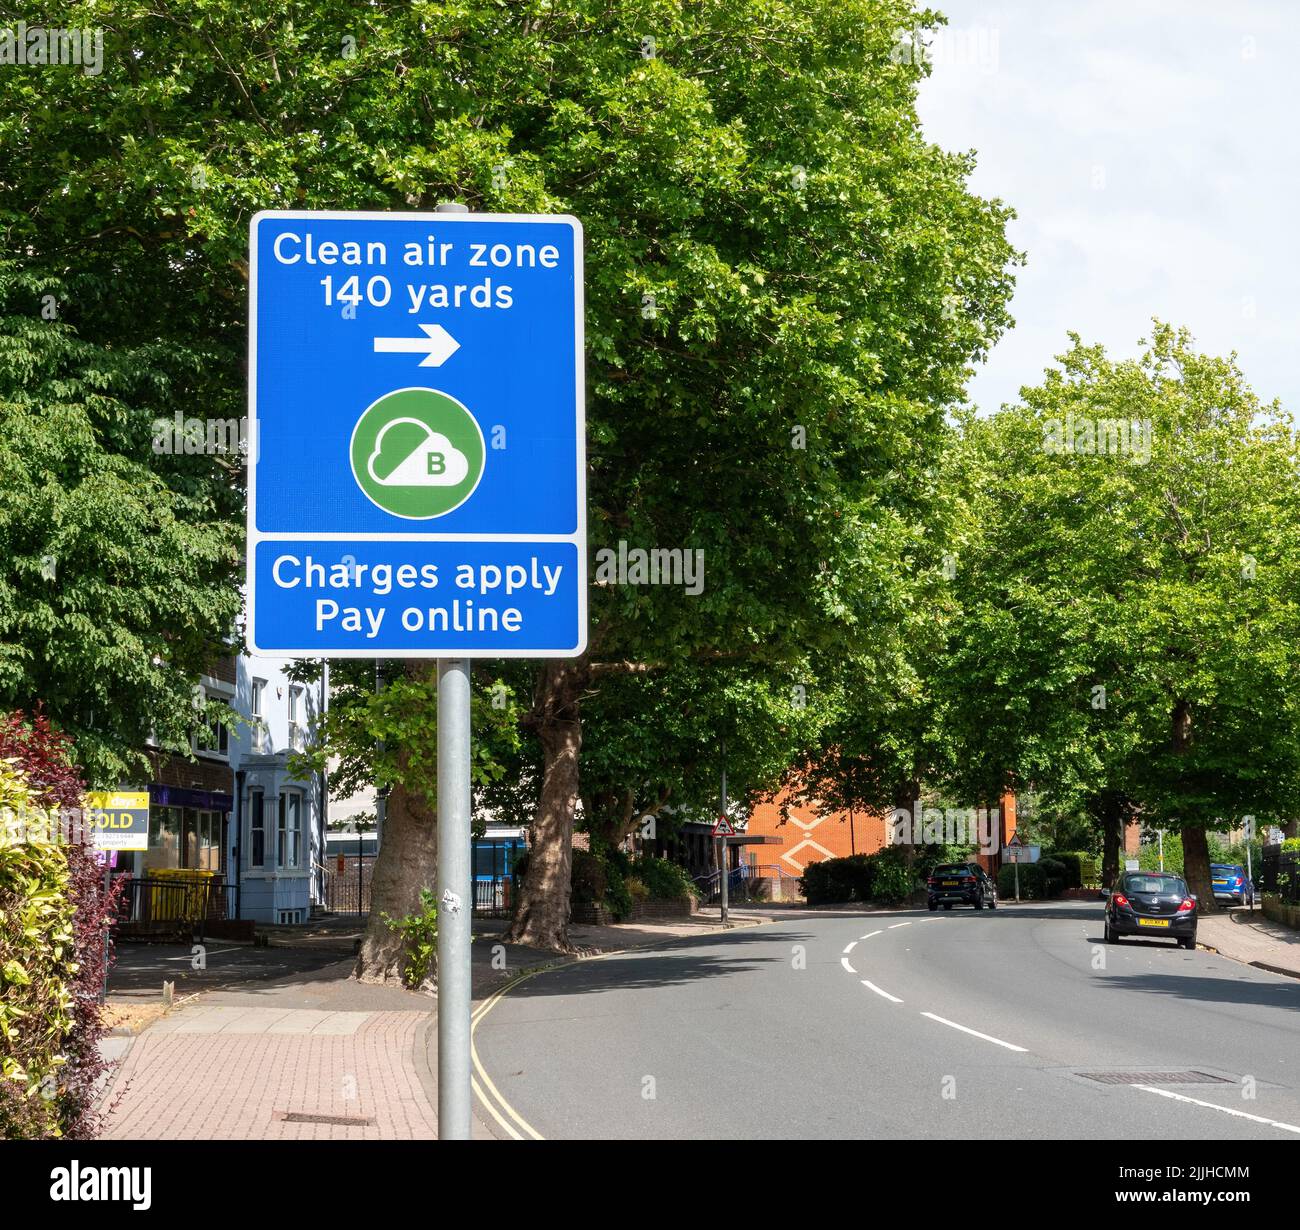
{"x":1153,"y":922}
{"x":1220,"y":883}
{"x":951,"y":884}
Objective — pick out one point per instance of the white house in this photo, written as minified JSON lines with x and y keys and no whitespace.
{"x":277,"y":830}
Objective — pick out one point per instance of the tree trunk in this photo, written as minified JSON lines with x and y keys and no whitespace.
{"x":1196,"y":869}
{"x":407,"y":862}
{"x":1196,"y":848}
{"x":905,"y":796}
{"x":1112,"y":811}
{"x":542,"y":910}
{"x":1112,"y":833}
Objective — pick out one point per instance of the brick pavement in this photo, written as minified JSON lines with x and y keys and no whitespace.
{"x":233,"y":1072}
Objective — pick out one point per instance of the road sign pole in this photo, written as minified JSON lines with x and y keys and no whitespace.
{"x":726,"y":863}
{"x":455,"y":902}
{"x":1015,"y":862}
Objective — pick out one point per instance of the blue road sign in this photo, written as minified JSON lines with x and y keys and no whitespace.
{"x":416,"y":477}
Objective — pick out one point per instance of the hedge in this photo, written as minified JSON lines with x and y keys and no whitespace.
{"x":1071,"y":860}
{"x":884,"y":877}
{"x":1038,"y":881}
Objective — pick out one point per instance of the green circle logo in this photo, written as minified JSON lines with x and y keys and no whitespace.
{"x":417,"y":453}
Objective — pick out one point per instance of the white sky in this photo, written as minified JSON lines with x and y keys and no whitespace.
{"x":1150,"y":149}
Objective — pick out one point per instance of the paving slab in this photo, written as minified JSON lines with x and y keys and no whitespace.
{"x":1247,"y":936}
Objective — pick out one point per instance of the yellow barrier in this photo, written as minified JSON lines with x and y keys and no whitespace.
{"x":182,"y":895}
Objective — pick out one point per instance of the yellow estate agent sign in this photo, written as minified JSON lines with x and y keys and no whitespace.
{"x":118,"y":821}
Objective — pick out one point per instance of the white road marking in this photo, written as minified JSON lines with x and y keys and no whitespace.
{"x":895,"y":926}
{"x":868,"y":935}
{"x":975,"y":1033}
{"x":850,"y":948}
{"x":871,"y":986}
{"x":844,"y":961}
{"x":1227,"y":1110}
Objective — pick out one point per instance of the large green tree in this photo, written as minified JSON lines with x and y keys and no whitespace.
{"x":1130,"y":635}
{"x":786,"y":282}
{"x":117,"y":564}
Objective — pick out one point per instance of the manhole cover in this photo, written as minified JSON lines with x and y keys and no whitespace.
{"x":297,"y":1116}
{"x":1154,"y":1078}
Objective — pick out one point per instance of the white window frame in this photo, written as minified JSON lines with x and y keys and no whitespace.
{"x":257,"y":801}
{"x":290,"y":801}
{"x":297,"y":728}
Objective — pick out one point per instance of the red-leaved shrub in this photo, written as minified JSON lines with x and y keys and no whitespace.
{"x":45,"y":757}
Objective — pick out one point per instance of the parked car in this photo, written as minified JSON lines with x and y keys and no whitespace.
{"x":952,"y":884}
{"x":1231,"y":883}
{"x":1152,"y":904}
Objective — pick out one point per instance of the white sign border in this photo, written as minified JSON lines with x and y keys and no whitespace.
{"x":578,"y":538}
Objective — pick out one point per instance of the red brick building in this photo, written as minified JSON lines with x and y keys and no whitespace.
{"x":808,"y":833}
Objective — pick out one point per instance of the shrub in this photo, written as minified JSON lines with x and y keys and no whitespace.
{"x":1038,"y":881}
{"x":838,"y":879}
{"x":1149,"y":854}
{"x":420,"y":933}
{"x":52,"y":926}
{"x":884,"y":876}
{"x":587,"y":879}
{"x":893,"y":881}
{"x":36,"y":1004}
{"x":663,"y":879}
{"x":1055,"y":875}
{"x":1071,"y":861}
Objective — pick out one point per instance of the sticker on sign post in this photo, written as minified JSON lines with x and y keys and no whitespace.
{"x":416,"y":482}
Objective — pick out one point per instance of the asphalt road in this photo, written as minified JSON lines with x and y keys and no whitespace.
{"x":910,"y":1025}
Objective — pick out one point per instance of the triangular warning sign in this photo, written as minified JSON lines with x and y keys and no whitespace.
{"x":723,"y":828}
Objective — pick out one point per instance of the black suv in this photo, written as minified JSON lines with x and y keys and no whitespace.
{"x":961,"y":884}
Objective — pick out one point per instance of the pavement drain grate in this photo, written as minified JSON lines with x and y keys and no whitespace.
{"x":1154,"y":1078}
{"x":297,"y":1116}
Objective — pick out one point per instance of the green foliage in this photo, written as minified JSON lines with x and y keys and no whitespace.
{"x":1129,"y":640}
{"x":823,"y":280}
{"x":420,"y":933}
{"x":588,"y":879}
{"x":119,"y":585}
{"x":1070,"y":861}
{"x":383,"y":735}
{"x":1149,"y":854}
{"x":1038,"y":881}
{"x":895,"y":880}
{"x":838,"y":879}
{"x":662,"y":878}
{"x":615,"y":869}
{"x":883,"y":877}
{"x":36,"y":969}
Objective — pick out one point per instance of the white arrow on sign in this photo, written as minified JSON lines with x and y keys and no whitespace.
{"x":437,"y":347}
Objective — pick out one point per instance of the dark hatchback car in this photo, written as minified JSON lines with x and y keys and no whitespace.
{"x":952,"y":884}
{"x":1152,"y":904}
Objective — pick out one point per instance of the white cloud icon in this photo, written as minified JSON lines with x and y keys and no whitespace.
{"x":434,"y":462}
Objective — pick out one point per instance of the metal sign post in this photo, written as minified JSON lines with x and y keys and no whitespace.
{"x":726,"y":863}
{"x":455,"y":899}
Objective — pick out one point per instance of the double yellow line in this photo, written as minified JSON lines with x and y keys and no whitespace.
{"x":520,"y":1128}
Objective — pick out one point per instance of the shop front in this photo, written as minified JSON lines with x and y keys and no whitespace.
{"x":187,"y":829}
